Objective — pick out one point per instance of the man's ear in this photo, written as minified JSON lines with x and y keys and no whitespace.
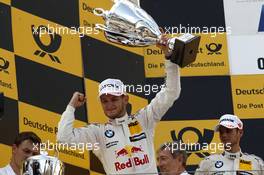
{"x":126,"y":98}
{"x":241,"y":131}
{"x":14,"y":148}
{"x":180,"y":158}
{"x":129,"y":108}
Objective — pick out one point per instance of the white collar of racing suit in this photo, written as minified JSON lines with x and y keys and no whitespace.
{"x":232,"y":155}
{"x":119,"y":121}
{"x":184,"y":173}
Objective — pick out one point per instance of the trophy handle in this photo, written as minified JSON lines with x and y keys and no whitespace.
{"x":101,"y":27}
{"x":136,"y":2}
{"x":171,"y":43}
{"x":100,"y":12}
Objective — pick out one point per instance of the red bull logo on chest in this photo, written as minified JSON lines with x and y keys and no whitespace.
{"x":128,"y":151}
{"x":136,"y":161}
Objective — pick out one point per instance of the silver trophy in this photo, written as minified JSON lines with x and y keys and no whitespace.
{"x":128,"y":24}
{"x":43,"y":165}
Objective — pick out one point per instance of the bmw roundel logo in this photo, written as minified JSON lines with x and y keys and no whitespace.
{"x":219,"y":164}
{"x":109,"y":133}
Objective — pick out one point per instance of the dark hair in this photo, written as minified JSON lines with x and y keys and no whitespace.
{"x":27,"y":136}
{"x":176,"y":150}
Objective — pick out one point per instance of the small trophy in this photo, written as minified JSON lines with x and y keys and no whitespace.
{"x":128,"y":24}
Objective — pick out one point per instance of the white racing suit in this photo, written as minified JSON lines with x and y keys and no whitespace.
{"x":185,"y":173}
{"x":231,"y":164}
{"x":126,"y":143}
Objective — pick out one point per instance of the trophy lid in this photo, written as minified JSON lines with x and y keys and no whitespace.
{"x":41,"y":157}
{"x":126,"y":23}
{"x":136,"y":2}
{"x":130,"y":13}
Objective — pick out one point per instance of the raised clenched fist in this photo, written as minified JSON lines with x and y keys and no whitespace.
{"x":77,"y":100}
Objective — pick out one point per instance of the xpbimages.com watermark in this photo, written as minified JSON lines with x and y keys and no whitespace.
{"x":78,"y":147}
{"x":147,"y":89}
{"x":61,"y":30}
{"x":212,"y":31}
{"x":81,"y":31}
{"x":193,"y":147}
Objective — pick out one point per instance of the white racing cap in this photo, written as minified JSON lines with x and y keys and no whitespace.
{"x":112,"y":86}
{"x":229,"y":121}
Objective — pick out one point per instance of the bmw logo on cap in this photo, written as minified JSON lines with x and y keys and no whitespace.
{"x":109,"y":133}
{"x":219,"y":164}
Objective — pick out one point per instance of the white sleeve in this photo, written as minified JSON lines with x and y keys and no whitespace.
{"x":2,"y":171}
{"x":261,"y":165}
{"x":68,"y":134}
{"x":7,"y":170}
{"x":262,"y":168}
{"x":204,"y":167}
{"x":163,"y":99}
